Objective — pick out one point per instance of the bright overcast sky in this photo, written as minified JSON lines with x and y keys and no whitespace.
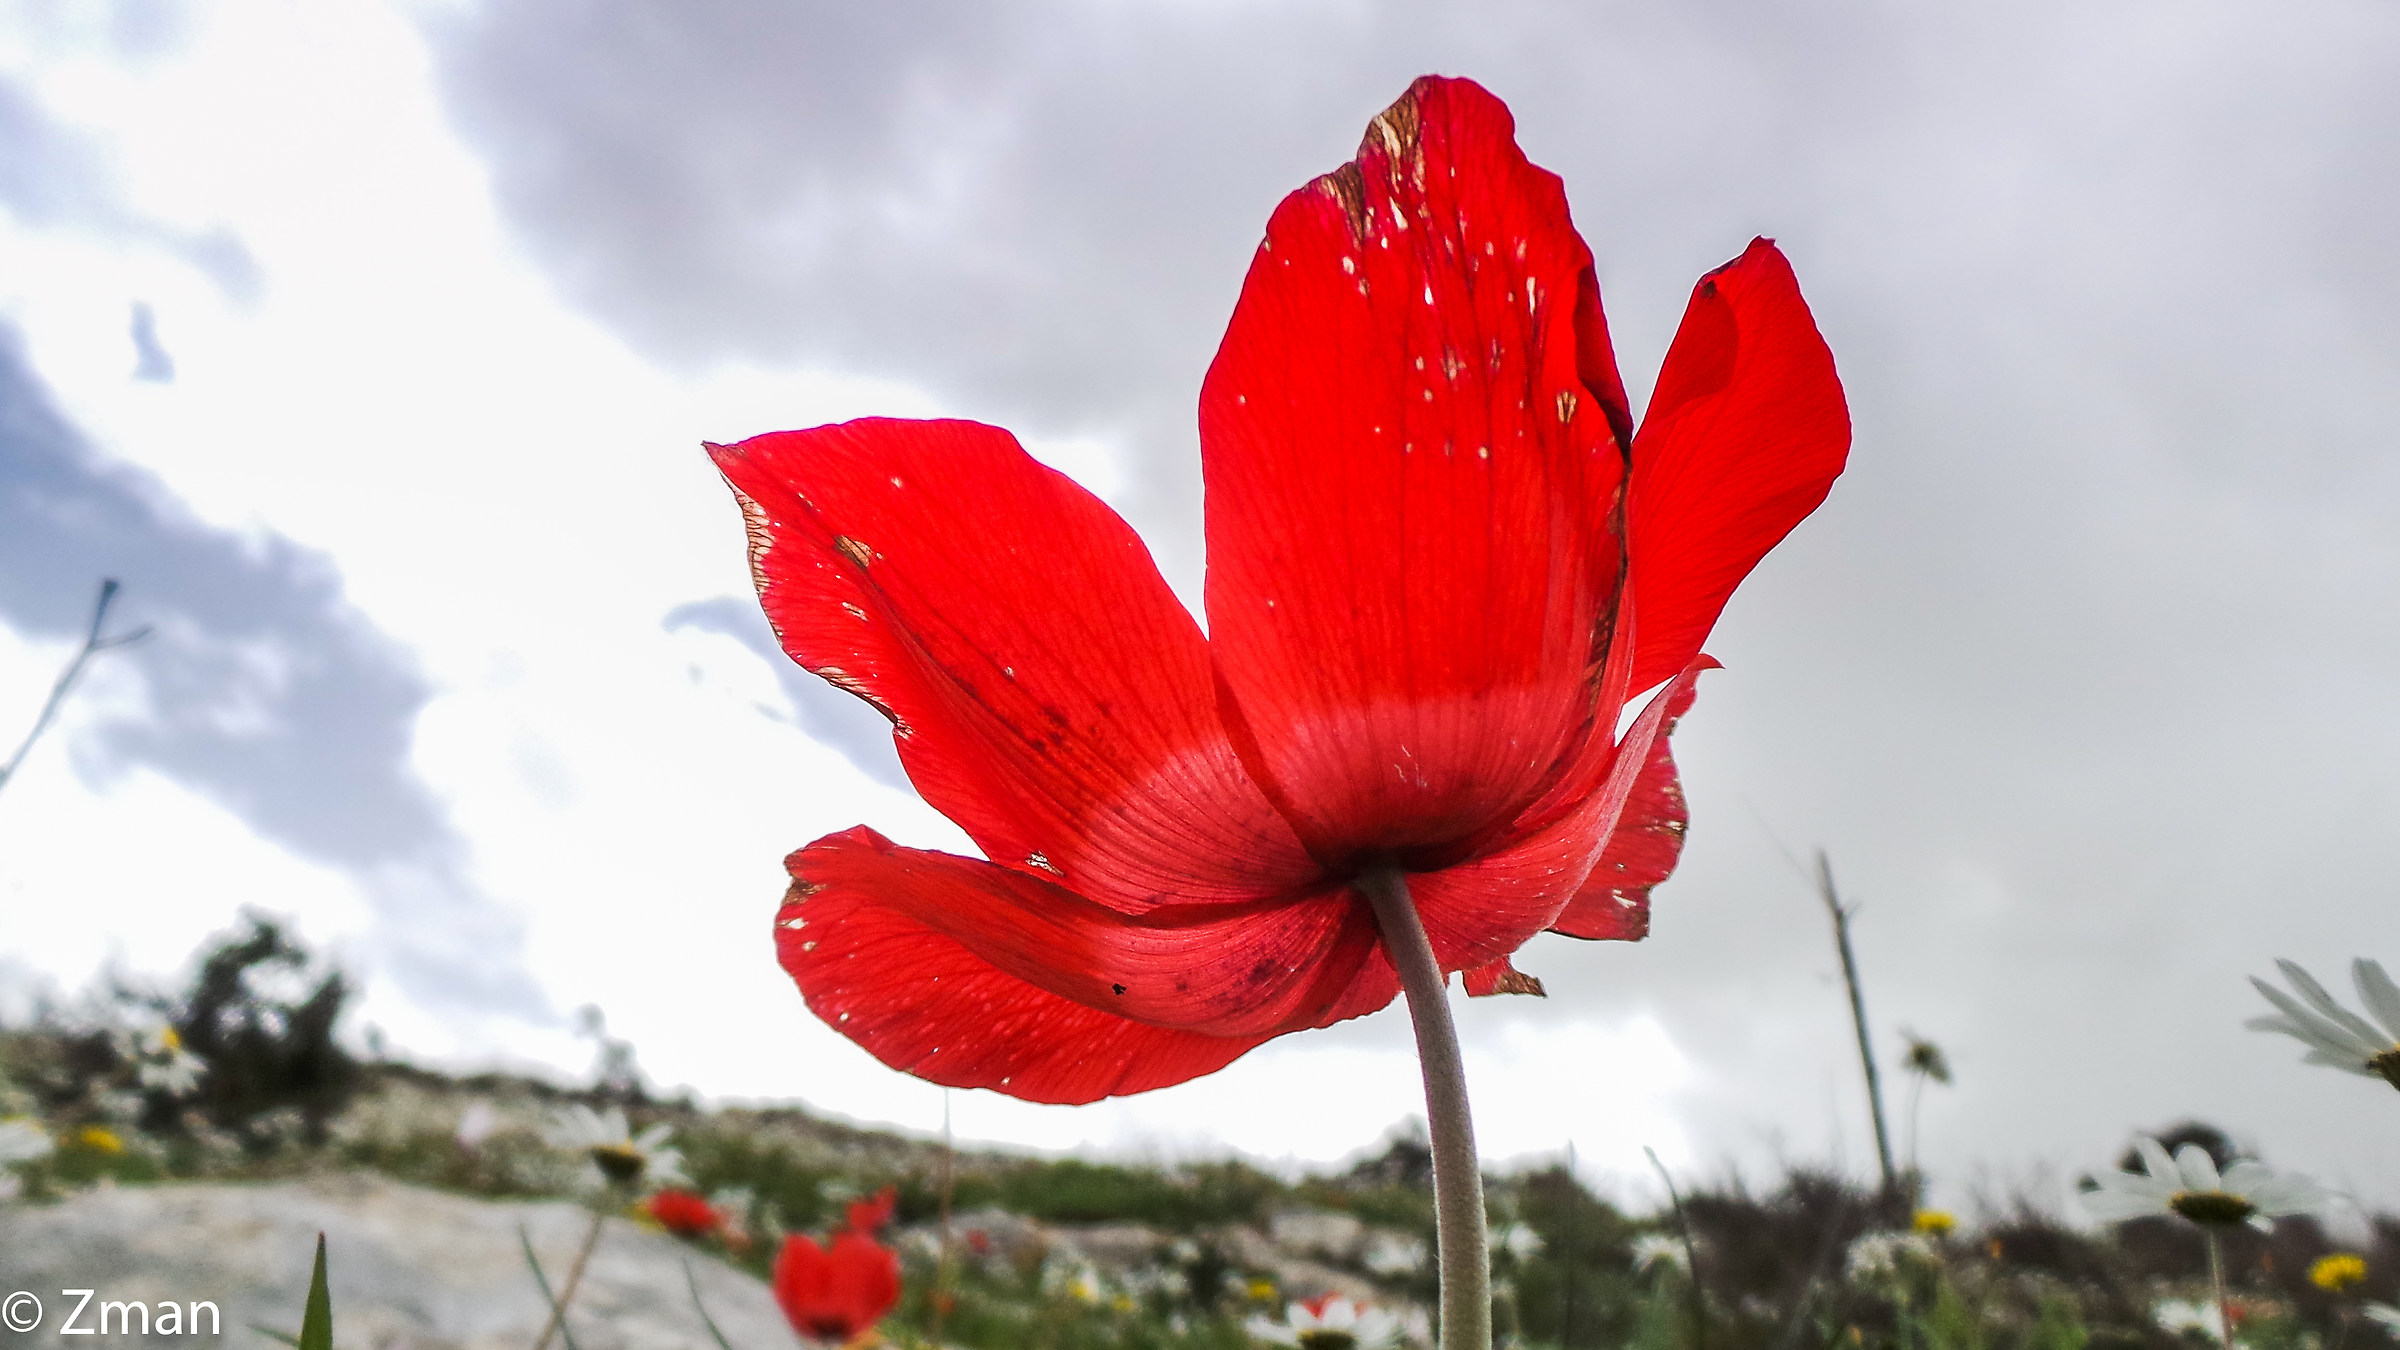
{"x":371,"y":346}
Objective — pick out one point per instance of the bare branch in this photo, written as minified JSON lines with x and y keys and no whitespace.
{"x":93,"y":645}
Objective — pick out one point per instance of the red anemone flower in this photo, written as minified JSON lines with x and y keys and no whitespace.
{"x":1441,"y":563}
{"x":683,"y":1213}
{"x":832,"y":1294}
{"x":868,"y":1215}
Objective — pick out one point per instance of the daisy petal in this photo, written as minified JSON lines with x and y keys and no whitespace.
{"x":2309,"y":1027}
{"x":2377,"y":991}
{"x":2110,"y":1206}
{"x":2199,"y":1170}
{"x":2157,"y":1162}
{"x":2325,"y":1004}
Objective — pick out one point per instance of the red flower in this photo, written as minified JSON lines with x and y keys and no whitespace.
{"x":1441,"y":559}
{"x":683,"y":1213}
{"x":831,"y":1294}
{"x":872,"y":1213}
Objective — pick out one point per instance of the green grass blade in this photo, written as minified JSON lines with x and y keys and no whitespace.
{"x":316,"y":1324}
{"x":711,"y":1323}
{"x":542,"y":1282}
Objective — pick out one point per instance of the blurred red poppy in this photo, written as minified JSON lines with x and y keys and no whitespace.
{"x":871,"y":1214}
{"x":683,"y":1213}
{"x":832,"y":1294}
{"x":1441,"y":563}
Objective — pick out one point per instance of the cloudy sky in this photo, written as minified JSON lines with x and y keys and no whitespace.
{"x":370,"y":345}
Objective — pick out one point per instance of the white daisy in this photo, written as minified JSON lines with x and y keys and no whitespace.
{"x":176,"y":1075}
{"x":1329,"y":1323}
{"x":1652,"y":1249}
{"x":2188,"y":1184}
{"x":1880,"y":1256}
{"x":1518,"y":1240}
{"x":2386,"y":1314}
{"x":480,"y":1121}
{"x":22,"y":1141}
{"x":2333,"y":1034}
{"x":624,"y":1158}
{"x":2185,"y":1317}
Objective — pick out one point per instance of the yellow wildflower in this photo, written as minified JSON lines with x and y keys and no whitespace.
{"x":2335,"y":1272}
{"x":1262,"y":1291}
{"x":1935,"y":1222}
{"x":100,"y":1139}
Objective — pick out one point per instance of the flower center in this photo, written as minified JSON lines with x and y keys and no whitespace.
{"x":1327,"y":1338}
{"x":2212,"y":1207}
{"x":2388,"y":1064}
{"x":620,"y":1163}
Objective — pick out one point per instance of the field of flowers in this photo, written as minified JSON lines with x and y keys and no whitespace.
{"x":871,"y":1233}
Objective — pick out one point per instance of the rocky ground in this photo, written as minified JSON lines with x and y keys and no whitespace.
{"x":408,"y":1268}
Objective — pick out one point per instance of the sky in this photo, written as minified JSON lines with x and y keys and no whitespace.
{"x":370,"y":346}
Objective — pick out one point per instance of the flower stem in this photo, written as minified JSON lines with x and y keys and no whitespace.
{"x":566,"y":1291}
{"x":1463,"y":1245}
{"x":2216,"y":1280}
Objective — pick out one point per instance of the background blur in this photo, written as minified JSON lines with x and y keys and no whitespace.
{"x":370,"y":345}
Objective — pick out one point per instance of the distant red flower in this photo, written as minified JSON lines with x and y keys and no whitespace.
{"x":683,"y":1213}
{"x":1441,"y":561}
{"x":832,"y":1294}
{"x":871,"y":1214}
{"x":979,"y":1242}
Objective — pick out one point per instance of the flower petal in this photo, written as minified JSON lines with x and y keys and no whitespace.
{"x":1742,"y":439}
{"x":2327,"y":1038}
{"x":2377,"y":991}
{"x":2110,"y":1206}
{"x":2306,"y":985}
{"x":2199,"y":1170}
{"x":1413,"y":482}
{"x":1047,"y":690}
{"x":2158,"y":1162}
{"x":973,"y":975}
{"x":1479,"y":911}
{"x":1500,"y":977}
{"x":1614,"y":903}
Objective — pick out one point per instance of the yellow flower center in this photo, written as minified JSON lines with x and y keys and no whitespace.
{"x":2211,"y":1207}
{"x":2388,"y":1064}
{"x":620,"y":1163}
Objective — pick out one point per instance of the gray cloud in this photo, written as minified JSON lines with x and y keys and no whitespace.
{"x":51,"y":177}
{"x":260,"y":687}
{"x":2087,"y":674}
{"x":823,"y":713}
{"x":152,"y":363}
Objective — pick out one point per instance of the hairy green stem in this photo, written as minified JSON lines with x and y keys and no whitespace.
{"x":2216,"y":1279}
{"x":1464,"y":1246}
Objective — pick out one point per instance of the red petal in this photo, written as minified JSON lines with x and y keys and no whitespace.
{"x":1500,"y":977}
{"x":1047,"y":690}
{"x":972,"y":975}
{"x":1479,"y":912}
{"x":831,"y":1294}
{"x":1615,"y":900}
{"x":1410,"y":486}
{"x":1743,"y":438}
